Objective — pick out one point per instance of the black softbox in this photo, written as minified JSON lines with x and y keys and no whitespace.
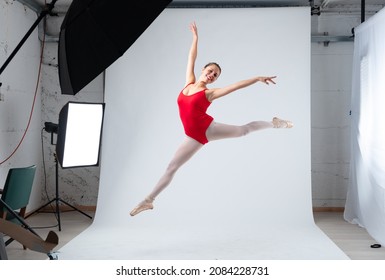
{"x":95,"y":33}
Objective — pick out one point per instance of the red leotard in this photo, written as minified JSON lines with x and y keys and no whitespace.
{"x":192,"y":112}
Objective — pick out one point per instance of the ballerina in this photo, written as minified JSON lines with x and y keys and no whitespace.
{"x":200,"y":128}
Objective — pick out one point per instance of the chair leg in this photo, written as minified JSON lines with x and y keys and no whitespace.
{"x":22,"y":214}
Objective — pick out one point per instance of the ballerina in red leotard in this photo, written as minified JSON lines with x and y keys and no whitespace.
{"x":200,"y":128}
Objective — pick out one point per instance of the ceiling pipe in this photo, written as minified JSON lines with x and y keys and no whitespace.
{"x":234,"y":3}
{"x":207,"y":4}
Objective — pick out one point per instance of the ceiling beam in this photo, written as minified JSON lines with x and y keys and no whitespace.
{"x":234,"y":3}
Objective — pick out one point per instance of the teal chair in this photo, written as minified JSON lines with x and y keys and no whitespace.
{"x":17,"y":191}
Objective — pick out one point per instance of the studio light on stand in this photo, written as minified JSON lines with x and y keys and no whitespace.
{"x":78,"y":142}
{"x":108,"y":31}
{"x":79,"y":134}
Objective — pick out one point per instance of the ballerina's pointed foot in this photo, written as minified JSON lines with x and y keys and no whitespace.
{"x":278,"y":123}
{"x":144,"y":205}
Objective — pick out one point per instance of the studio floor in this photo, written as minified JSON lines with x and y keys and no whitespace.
{"x":353,"y":240}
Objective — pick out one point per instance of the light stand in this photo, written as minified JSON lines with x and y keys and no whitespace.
{"x":53,"y":128}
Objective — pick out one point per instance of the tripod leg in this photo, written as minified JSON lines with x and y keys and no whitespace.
{"x":57,"y":199}
{"x":57,"y":211}
{"x":73,"y":207}
{"x":41,"y":207}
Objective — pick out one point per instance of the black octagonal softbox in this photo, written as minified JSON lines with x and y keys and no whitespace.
{"x":95,"y":33}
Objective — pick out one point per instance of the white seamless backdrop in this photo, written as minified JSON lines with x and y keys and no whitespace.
{"x":244,"y":198}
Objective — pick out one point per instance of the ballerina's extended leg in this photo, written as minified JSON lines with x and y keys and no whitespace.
{"x":185,"y":151}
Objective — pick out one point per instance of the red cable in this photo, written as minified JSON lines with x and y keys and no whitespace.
{"x":34,"y":99}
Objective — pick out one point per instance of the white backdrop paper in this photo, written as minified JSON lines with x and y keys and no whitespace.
{"x":237,"y":198}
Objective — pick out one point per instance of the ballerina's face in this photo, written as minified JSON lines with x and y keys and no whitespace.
{"x":210,"y":73}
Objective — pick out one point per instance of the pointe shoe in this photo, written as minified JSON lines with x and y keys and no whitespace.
{"x":278,"y":123}
{"x":144,"y":205}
